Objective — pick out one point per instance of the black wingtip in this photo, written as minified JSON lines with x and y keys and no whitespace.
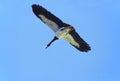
{"x":85,"y":48}
{"x":37,"y":9}
{"x":34,"y":5}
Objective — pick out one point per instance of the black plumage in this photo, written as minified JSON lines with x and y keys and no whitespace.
{"x":37,"y":9}
{"x":62,"y":29}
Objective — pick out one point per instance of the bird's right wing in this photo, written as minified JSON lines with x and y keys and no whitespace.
{"x":75,"y":40}
{"x":48,"y":18}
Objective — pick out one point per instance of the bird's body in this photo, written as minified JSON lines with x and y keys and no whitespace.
{"x":61,"y":29}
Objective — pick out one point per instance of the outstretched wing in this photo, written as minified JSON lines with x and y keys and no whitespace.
{"x":75,"y":40}
{"x":48,"y":18}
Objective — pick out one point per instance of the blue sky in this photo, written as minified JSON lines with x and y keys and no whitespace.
{"x":23,"y":56}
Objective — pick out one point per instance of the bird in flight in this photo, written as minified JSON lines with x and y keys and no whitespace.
{"x":61,"y":29}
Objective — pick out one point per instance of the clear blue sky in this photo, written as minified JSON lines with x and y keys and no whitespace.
{"x":23,"y":38}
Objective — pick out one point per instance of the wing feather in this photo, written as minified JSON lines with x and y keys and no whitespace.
{"x":48,"y":18}
{"x":75,"y":40}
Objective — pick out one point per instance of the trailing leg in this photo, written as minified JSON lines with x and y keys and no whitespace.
{"x":55,"y":38}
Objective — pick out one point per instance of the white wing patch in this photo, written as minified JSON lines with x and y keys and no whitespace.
{"x":50,"y":23}
{"x":71,"y":40}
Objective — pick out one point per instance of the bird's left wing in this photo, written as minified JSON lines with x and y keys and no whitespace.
{"x":75,"y":40}
{"x":48,"y":18}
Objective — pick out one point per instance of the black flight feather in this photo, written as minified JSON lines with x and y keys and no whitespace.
{"x":37,"y":9}
{"x":84,"y":47}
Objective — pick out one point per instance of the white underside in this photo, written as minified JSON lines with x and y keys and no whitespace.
{"x":65,"y":35}
{"x":50,"y":23}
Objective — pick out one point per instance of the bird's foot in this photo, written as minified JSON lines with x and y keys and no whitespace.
{"x":47,"y":45}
